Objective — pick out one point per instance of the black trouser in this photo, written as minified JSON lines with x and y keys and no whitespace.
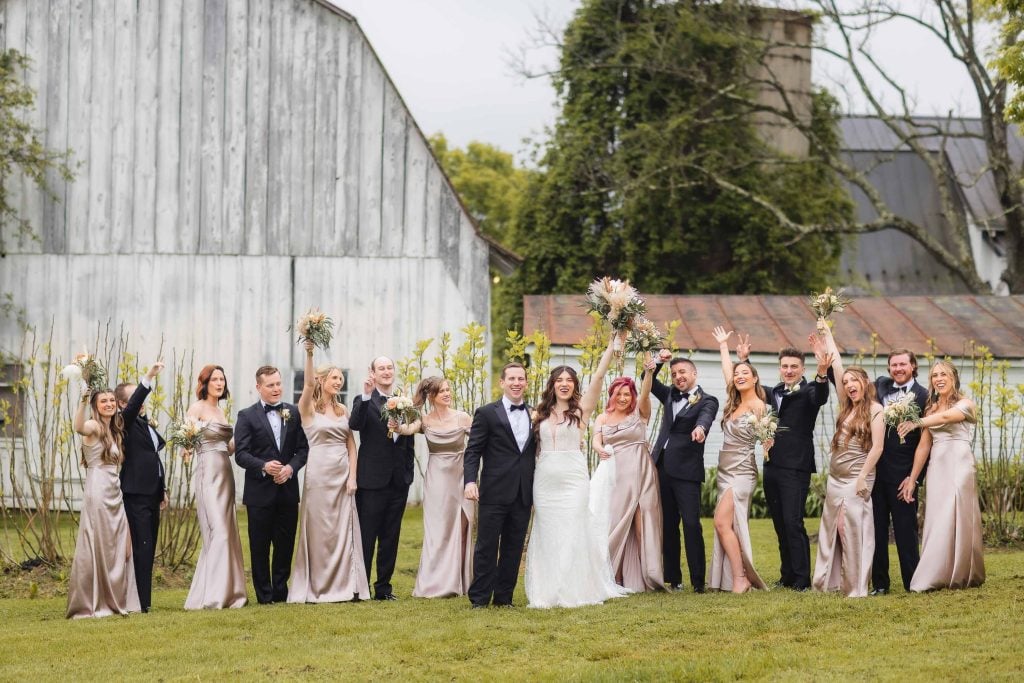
{"x":885,"y":503}
{"x":272,"y":525}
{"x":380,"y":523}
{"x":785,"y":491}
{"x":680,"y":499}
{"x":500,"y":534}
{"x":143,"y":513}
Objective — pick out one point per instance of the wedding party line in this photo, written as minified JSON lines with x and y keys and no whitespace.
{"x":592,"y":538}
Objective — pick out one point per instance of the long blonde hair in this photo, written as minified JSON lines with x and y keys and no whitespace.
{"x":320,"y":399}
{"x":111,"y":431}
{"x":860,"y":425}
{"x":934,"y":401}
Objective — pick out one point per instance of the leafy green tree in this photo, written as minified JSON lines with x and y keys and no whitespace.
{"x":21,"y":149}
{"x":488,"y":181}
{"x":650,"y":128}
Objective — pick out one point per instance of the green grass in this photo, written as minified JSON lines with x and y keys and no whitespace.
{"x":949,"y":635}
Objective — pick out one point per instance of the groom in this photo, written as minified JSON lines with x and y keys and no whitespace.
{"x":679,"y":456}
{"x":502,"y":437}
{"x":271,"y":446}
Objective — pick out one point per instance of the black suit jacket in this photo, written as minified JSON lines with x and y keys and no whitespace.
{"x":684,"y":457}
{"x":898,"y":459}
{"x":142,"y":473}
{"x":255,"y":446}
{"x":381,"y":460}
{"x":794,"y":445}
{"x":507,"y":472}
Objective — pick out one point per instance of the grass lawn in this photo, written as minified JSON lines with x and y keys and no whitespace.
{"x":950,"y":635}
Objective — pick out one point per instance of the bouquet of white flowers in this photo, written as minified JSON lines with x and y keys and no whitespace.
{"x":644,"y":336}
{"x":903,"y":409}
{"x":616,"y":301}
{"x":87,"y":369}
{"x":316,"y":327}
{"x":764,"y":427}
{"x":398,"y":407}
{"x":187,"y":434}
{"x":829,"y":302}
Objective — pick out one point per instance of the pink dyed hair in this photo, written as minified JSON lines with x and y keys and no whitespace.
{"x":615,"y":386}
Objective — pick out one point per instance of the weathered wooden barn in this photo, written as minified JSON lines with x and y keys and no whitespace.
{"x":237,"y":161}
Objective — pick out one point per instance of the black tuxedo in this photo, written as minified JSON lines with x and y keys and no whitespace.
{"x":506,"y":496}
{"x":893,"y":467}
{"x":272,"y":509}
{"x":384,"y":475}
{"x":680,"y":463}
{"x":142,"y":483}
{"x":787,"y":474}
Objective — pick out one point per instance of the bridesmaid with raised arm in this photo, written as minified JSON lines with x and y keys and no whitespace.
{"x":219,"y":580}
{"x":732,"y":564}
{"x":329,"y":559}
{"x":846,"y":537}
{"x":952,"y":552}
{"x":446,"y":561}
{"x":102,"y":580}
{"x":634,"y":511}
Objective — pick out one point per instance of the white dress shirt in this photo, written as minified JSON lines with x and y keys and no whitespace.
{"x":898,"y":390}
{"x":274,"y":418}
{"x":520,"y":422}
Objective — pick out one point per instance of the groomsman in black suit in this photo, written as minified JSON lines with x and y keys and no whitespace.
{"x":679,"y":456}
{"x":384,"y":476}
{"x":788,"y":467}
{"x":893,"y":468}
{"x":502,"y":437}
{"x":271,"y":446}
{"x":142,"y":479}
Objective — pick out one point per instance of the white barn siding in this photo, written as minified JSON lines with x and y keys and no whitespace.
{"x":237,"y":161}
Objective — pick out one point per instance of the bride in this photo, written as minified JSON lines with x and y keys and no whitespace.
{"x":567,"y":561}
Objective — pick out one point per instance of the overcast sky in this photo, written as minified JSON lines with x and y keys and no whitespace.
{"x":448,"y":59}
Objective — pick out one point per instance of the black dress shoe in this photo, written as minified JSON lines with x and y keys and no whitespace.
{"x":504,"y":605}
{"x":385,"y":596}
{"x":675,"y":586}
{"x":879,"y":591}
{"x":699,"y":589}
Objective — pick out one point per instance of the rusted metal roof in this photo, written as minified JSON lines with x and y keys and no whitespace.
{"x":945,"y":325}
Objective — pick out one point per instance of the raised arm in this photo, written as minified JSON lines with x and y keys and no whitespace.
{"x":660,"y":391}
{"x":643,"y":401}
{"x":306,"y":407}
{"x":358,"y":419}
{"x":722,"y":337}
{"x":836,"y":358}
{"x":588,"y":402}
{"x":80,"y":424}
{"x":824,"y":360}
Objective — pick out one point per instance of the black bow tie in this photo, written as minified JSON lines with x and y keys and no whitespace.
{"x":679,"y":395}
{"x":277,"y":406}
{"x":521,"y":406}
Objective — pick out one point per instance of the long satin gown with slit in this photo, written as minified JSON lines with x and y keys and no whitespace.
{"x":844,"y":563}
{"x":634,"y":514}
{"x":737,"y":472}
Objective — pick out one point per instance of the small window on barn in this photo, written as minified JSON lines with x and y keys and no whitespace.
{"x":12,"y":404}
{"x":300,"y":377}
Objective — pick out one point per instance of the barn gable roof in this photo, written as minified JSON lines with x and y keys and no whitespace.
{"x":939,"y":324}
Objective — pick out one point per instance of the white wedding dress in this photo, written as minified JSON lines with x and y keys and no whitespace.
{"x":567,"y":562}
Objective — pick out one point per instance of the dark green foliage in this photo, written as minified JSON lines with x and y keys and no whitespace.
{"x":654,"y":101}
{"x":758,"y":504}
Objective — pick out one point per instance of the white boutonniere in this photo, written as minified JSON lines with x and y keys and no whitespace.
{"x":285,"y":415}
{"x":794,"y":388}
{"x":694,"y":397}
{"x":153,"y":423}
